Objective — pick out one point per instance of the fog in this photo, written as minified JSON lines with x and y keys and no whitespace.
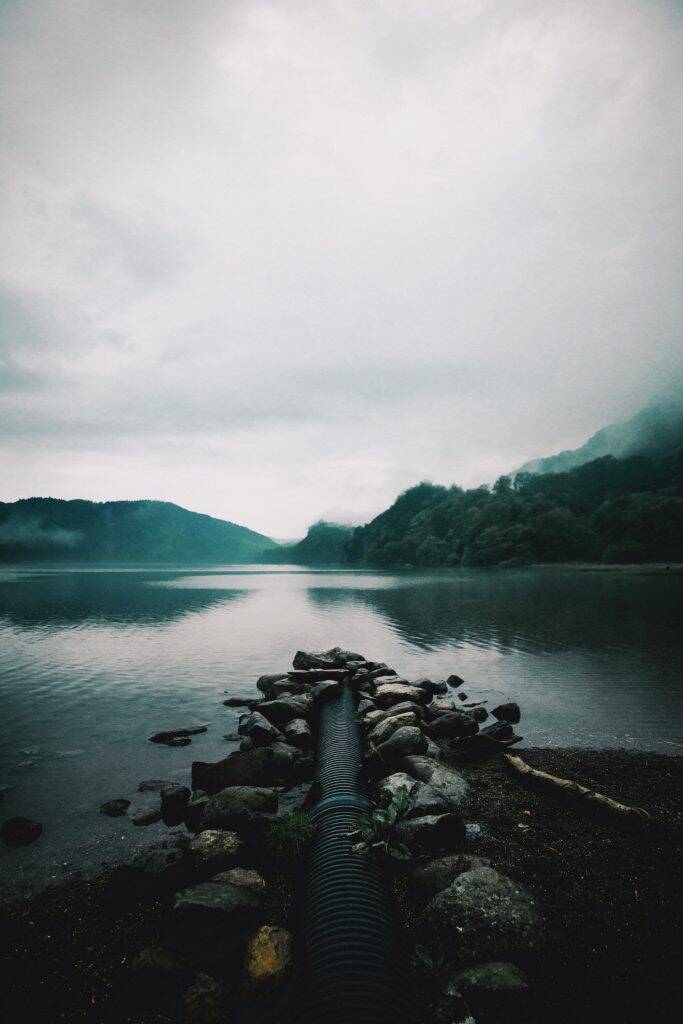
{"x":277,"y":261}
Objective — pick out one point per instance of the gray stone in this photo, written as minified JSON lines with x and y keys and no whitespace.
{"x":365,"y":705}
{"x":284,"y":709}
{"x":455,"y":681}
{"x":115,"y":808}
{"x":194,"y":811}
{"x":298,"y":733}
{"x":423,"y":798}
{"x":484,"y":914}
{"x":489,"y":988}
{"x":406,"y":740}
{"x":154,"y":785}
{"x":241,"y":702}
{"x":154,"y":871}
{"x":325,"y":689}
{"x":507,"y":713}
{"x":174,"y":800}
{"x":453,"y":725}
{"x":142,"y":818}
{"x":230,"y":806}
{"x":431,"y":833}
{"x":388,"y":726}
{"x":264,"y":683}
{"x":214,"y":850}
{"x":381,"y":671}
{"x":276,"y":764}
{"x":20,"y":831}
{"x":447,"y":780}
{"x":433,"y":877}
{"x":336,"y":657}
{"x":247,"y":877}
{"x":211,"y":915}
{"x":395,"y":693}
{"x":442,"y":706}
{"x":171,"y":735}
{"x":258,"y":729}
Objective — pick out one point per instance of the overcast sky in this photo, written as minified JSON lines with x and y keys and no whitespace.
{"x":280,"y":260}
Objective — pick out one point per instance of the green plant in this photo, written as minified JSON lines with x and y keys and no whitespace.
{"x":287,"y":837}
{"x":377,"y":835}
{"x":424,"y":961}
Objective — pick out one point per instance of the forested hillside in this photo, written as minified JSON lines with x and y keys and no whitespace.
{"x":49,"y":529}
{"x":610,"y":510}
{"x":324,"y":544}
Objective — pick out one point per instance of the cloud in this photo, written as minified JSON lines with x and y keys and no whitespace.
{"x":266,"y":259}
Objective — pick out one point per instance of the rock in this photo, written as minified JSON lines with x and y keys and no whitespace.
{"x":443,"y":706}
{"x":194,"y":812}
{"x":153,"y":872}
{"x":264,"y":683}
{"x":406,"y":740}
{"x":284,"y":709}
{"x":247,"y":877}
{"x":262,"y":766}
{"x":214,"y":850}
{"x":380,"y":671}
{"x":298,"y":733}
{"x":455,"y":681}
{"x":258,"y":729}
{"x":150,"y":817}
{"x":433,"y":750}
{"x":179,"y":741}
{"x":507,"y":713}
{"x":484,"y":914}
{"x":153,"y":785}
{"x":310,"y":676}
{"x":439,"y":686}
{"x":451,"y":1008}
{"x":453,"y":725}
{"x":395,"y":693}
{"x":462,"y":696}
{"x":174,"y":800}
{"x":388,"y":726}
{"x":497,"y":987}
{"x":115,"y":808}
{"x":237,"y":803}
{"x":288,"y":687}
{"x":336,"y":657}
{"x":20,"y":831}
{"x":209,"y":921}
{"x":447,"y":780}
{"x":203,"y":1002}
{"x":424,"y":799}
{"x":268,"y":959}
{"x":498,"y":731}
{"x":154,"y":959}
{"x":247,"y":743}
{"x":479,"y":714}
{"x":241,"y":702}
{"x":171,"y":735}
{"x":231,"y":737}
{"x":431,"y":833}
{"x":365,"y":705}
{"x":325,"y":689}
{"x":433,"y":877}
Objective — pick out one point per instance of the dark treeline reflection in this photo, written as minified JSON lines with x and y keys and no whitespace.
{"x":73,"y":598}
{"x":528,"y":610}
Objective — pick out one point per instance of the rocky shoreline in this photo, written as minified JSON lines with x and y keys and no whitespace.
{"x":498,"y":885}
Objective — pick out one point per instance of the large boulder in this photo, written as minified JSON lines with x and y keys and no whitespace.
{"x":325,"y":689}
{"x":388,"y":726}
{"x":484,"y":914}
{"x":267,"y":961}
{"x":258,"y":729}
{"x":395,"y":693}
{"x":439,"y":776}
{"x":406,"y":740}
{"x":284,"y":709}
{"x":423,"y":798}
{"x":336,"y":657}
{"x":214,"y":850}
{"x":277,"y":764}
{"x":236,"y":804}
{"x":442,"y":706}
{"x":154,"y":871}
{"x":115,"y":808}
{"x":20,"y":831}
{"x":453,"y":725}
{"x":209,"y":921}
{"x":247,"y":877}
{"x":298,"y":733}
{"x":507,"y":713}
{"x":436,"y":875}
{"x":264,"y":683}
{"x":431,"y":833}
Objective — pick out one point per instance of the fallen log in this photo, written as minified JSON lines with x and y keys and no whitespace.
{"x":570,"y":788}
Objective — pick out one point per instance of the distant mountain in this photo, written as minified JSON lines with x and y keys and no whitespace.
{"x":53,"y":530}
{"x":324,"y":544}
{"x":656,"y":429}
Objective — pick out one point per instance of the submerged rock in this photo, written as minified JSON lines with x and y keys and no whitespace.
{"x":241,"y":702}
{"x":507,"y":713}
{"x":115,"y":808}
{"x":20,"y":831}
{"x":154,"y":785}
{"x":484,"y":914}
{"x":151,"y":817}
{"x":263,"y":766}
{"x":267,"y":961}
{"x":170,"y":736}
{"x":453,"y":725}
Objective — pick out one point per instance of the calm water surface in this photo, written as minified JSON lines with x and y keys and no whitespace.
{"x":93,"y":661}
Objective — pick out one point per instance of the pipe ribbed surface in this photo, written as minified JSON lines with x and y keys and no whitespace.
{"x":352,"y":965}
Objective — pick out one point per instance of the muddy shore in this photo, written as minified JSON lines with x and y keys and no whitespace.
{"x":612,"y":896}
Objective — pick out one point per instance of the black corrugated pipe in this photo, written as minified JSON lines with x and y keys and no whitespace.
{"x":352,"y":960}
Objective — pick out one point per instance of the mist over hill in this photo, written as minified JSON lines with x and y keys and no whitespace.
{"x":324,"y":544}
{"x":656,"y":429}
{"x":53,"y":530}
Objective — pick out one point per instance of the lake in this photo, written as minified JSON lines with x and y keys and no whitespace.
{"x":93,"y":661}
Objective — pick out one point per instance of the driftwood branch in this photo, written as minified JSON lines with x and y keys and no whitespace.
{"x":575,"y":789}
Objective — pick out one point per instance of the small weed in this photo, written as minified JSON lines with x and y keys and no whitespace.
{"x":288,"y":837}
{"x":378,"y":834}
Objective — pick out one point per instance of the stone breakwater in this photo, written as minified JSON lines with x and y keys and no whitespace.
{"x":227,"y":871}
